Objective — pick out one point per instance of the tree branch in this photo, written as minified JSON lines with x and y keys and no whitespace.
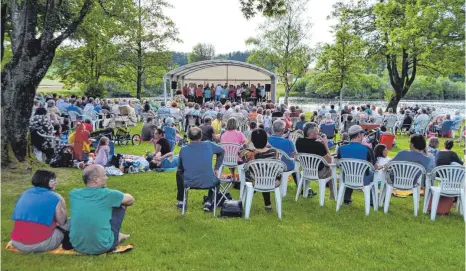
{"x":73,"y":25}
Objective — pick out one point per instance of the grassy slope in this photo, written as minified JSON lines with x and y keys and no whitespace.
{"x":308,"y":237}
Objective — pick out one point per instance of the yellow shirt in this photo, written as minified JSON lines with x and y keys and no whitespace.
{"x":217,"y":125}
{"x":86,"y":146}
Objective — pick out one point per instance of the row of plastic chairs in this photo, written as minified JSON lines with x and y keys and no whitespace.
{"x":404,"y":176}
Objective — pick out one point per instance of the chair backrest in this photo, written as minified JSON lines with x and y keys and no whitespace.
{"x":334,"y":117}
{"x":451,"y":179}
{"x":345,"y":117}
{"x":348,"y":124}
{"x":73,"y":115}
{"x":457,"y":124}
{"x":230,"y":157}
{"x":243,"y":124}
{"x":390,"y":121}
{"x":328,"y":130}
{"x":352,"y":171}
{"x":378,"y":119}
{"x":123,"y":110}
{"x":310,"y":164}
{"x":191,"y":120}
{"x":405,"y":174}
{"x":293,"y":136}
{"x":265,"y":172}
{"x":90,"y":114}
{"x":283,"y":156}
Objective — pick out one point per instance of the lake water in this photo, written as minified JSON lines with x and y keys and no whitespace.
{"x":441,"y":106}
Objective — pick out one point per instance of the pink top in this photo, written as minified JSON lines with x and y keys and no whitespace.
{"x":102,"y":156}
{"x":233,"y":136}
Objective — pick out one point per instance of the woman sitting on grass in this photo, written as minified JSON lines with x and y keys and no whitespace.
{"x":102,"y":152}
{"x":40,"y":216}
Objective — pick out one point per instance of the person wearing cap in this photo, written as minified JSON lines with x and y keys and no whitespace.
{"x":356,"y":150}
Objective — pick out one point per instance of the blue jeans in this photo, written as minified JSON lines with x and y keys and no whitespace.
{"x":118,"y":213}
{"x":217,"y":98}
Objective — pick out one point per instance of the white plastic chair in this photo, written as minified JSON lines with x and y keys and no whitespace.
{"x":451,"y":185}
{"x":230,"y":160}
{"x":74,"y":116}
{"x":352,"y":172}
{"x":264,"y":172}
{"x":310,"y":172}
{"x":293,"y":136}
{"x":390,"y":122}
{"x":405,"y":176}
{"x":93,"y":117}
{"x":284,"y":184}
{"x":379,"y":175}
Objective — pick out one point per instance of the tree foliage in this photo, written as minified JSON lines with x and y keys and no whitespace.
{"x":283,"y":45}
{"x":413,"y":37}
{"x":269,"y":8}
{"x":200,"y":52}
{"x":341,"y":65}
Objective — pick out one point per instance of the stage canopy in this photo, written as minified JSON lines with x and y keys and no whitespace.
{"x":220,"y":71}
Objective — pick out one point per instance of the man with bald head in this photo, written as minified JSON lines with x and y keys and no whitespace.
{"x":97,"y":213}
{"x":195,"y":166}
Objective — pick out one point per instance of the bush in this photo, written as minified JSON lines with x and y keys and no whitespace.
{"x":95,"y":89}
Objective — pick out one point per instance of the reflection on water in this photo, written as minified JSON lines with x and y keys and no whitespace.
{"x":443,"y":106}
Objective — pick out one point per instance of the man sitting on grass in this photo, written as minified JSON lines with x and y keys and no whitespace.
{"x":195,"y":166}
{"x":97,"y":214}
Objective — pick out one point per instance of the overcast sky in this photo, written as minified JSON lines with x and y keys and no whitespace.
{"x":221,"y":23}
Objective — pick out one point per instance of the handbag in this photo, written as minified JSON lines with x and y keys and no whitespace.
{"x":232,"y":208}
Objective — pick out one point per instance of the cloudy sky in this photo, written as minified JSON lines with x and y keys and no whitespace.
{"x":221,"y":23}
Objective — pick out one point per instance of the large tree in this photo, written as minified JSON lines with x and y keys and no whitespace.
{"x":412,"y":37}
{"x":269,"y":8}
{"x":144,"y":50}
{"x":283,"y":45}
{"x":200,"y":52}
{"x":340,"y":65}
{"x":92,"y":50}
{"x":37,"y":28}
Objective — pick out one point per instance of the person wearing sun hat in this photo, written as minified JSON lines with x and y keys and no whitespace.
{"x":356,"y":150}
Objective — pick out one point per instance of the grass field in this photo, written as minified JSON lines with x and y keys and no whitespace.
{"x":309,"y":237}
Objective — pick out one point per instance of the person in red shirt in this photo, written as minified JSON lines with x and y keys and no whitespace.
{"x":185,"y":90}
{"x":88,"y":126}
{"x":198,"y":91}
{"x":40,"y":218}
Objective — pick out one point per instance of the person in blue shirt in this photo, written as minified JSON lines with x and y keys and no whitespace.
{"x":195,"y":166}
{"x":170,"y":132}
{"x":356,"y":150}
{"x":98,"y":107}
{"x":284,"y":144}
{"x":207,"y":94}
{"x":163,"y":110}
{"x":218,"y":92}
{"x":332,"y":109}
{"x":300,"y":124}
{"x":74,"y":107}
{"x":417,"y":153}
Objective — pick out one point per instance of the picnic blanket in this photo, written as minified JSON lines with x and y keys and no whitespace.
{"x":60,"y":251}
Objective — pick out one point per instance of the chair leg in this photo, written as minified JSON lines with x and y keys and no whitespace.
{"x":322,"y":192}
{"x":462,"y":199}
{"x":382,"y":193}
{"x":185,"y":198}
{"x":215,"y":201}
{"x":388,"y":196}
{"x":306,"y":184}
{"x":427,"y":196}
{"x":284,"y":185}
{"x":341,"y":192}
{"x":334,"y":180}
{"x":367,"y":198}
{"x":242,"y":185}
{"x":416,"y":195}
{"x":220,"y":170}
{"x":375,"y":197}
{"x":300,"y":184}
{"x":278,"y":202}
{"x":435,"y":200}
{"x":249,"y":194}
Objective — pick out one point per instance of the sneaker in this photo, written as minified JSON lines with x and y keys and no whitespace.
{"x":347,"y":202}
{"x":311,"y":193}
{"x":268,"y":208}
{"x":207,"y":206}
{"x":179,"y":205}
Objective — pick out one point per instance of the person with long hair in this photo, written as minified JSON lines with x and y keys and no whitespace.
{"x":446,"y":156}
{"x":380,"y":155}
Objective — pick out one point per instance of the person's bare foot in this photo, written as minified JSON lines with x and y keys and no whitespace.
{"x":122,"y":237}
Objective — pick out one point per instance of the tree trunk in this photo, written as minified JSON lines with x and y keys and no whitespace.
{"x":19,"y":83}
{"x":139,"y":64}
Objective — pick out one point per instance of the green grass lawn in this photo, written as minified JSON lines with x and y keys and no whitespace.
{"x":308,"y":237}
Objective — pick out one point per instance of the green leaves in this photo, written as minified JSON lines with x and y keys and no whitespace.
{"x":201,"y":51}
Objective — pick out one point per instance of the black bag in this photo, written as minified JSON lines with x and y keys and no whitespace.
{"x":63,"y":159}
{"x":232,"y":208}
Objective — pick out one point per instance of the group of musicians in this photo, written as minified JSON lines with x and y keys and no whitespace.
{"x":241,"y":93}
